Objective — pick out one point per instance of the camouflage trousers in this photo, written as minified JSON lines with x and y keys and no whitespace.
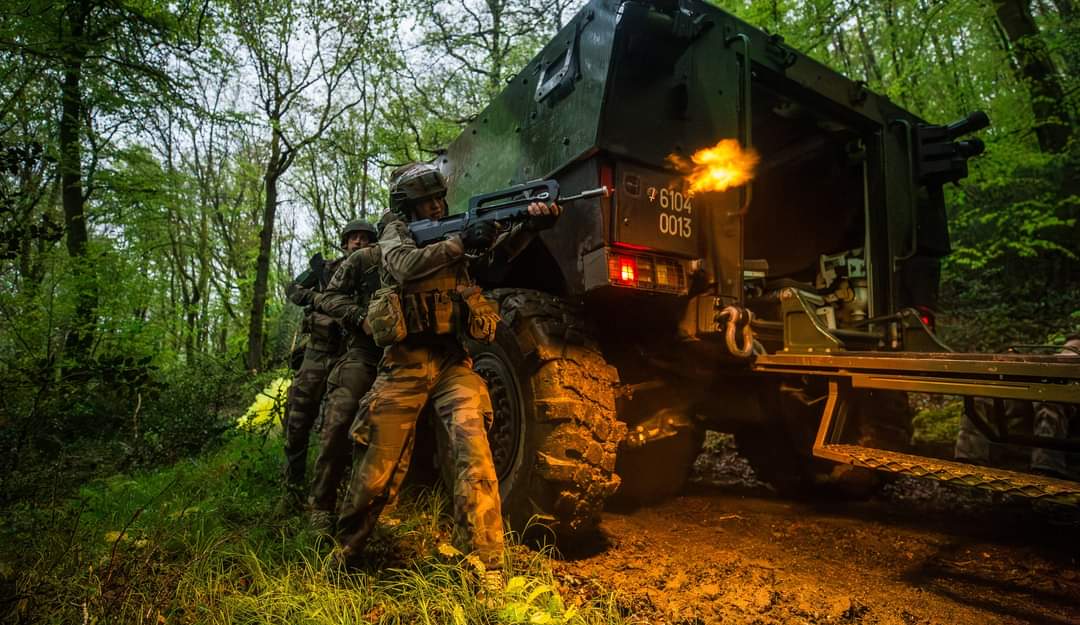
{"x":350,"y":379}
{"x":1045,"y":419}
{"x":410,"y":377}
{"x":305,"y":397}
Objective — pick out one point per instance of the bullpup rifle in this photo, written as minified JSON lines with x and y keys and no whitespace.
{"x":505,"y":208}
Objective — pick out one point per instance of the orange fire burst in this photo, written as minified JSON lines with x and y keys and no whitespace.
{"x":721,"y":167}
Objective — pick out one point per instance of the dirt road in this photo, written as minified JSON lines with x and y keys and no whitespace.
{"x":739,"y":555}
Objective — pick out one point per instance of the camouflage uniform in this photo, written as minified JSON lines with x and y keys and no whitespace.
{"x":1051,"y":420}
{"x":428,"y":365}
{"x":410,"y":374}
{"x":346,"y":299}
{"x":308,"y":385}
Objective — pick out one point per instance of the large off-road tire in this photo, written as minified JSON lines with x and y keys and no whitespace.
{"x":554,"y":435}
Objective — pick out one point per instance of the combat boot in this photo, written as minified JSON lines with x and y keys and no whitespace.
{"x":323,"y":522}
{"x":291,"y":502}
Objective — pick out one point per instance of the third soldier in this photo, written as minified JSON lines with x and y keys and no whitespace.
{"x":323,"y":350}
{"x":346,"y":299}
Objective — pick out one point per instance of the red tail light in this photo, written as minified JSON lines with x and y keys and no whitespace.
{"x":927,"y":317}
{"x":623,"y":269}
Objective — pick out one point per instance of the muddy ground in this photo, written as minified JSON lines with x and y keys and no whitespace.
{"x":729,"y":551}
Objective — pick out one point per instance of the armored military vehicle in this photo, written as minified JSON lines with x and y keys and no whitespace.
{"x":793,"y":310}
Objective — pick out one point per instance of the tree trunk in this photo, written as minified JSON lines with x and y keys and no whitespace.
{"x":79,"y":340}
{"x":1053,"y":122}
{"x":495,"y":81}
{"x":368,"y":113}
{"x":1070,"y":26}
{"x":898,"y":57}
{"x":256,"y":335}
{"x":842,"y":52}
{"x":204,"y":282}
{"x":871,"y":70}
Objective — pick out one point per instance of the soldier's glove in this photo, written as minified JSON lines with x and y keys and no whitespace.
{"x":479,"y":236}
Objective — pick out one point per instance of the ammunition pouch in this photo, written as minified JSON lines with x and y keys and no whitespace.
{"x":433,"y":313}
{"x":386,"y":317}
{"x":429,"y":312}
{"x":483,"y":316}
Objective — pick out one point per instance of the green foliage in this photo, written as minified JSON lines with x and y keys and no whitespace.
{"x":1013,"y":208}
{"x":268,"y":407}
{"x":192,"y":543}
{"x":1012,"y":276}
{"x":535,"y":602}
{"x":937,"y":419}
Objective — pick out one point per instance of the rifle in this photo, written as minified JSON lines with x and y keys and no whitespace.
{"x":505,"y":207}
{"x":318,"y":268}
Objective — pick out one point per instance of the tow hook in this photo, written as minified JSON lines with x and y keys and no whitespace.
{"x":738,"y":321}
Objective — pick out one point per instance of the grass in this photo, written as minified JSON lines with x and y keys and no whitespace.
{"x":195,"y":543}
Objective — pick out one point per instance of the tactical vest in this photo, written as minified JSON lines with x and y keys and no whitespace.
{"x":445,"y":302}
{"x":365,"y":285}
{"x":429,"y":304}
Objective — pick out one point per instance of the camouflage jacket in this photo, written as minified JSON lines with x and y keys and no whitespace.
{"x":431,"y":279}
{"x":347,"y":295}
{"x":415,"y":268}
{"x":324,"y":330}
{"x":312,"y":281}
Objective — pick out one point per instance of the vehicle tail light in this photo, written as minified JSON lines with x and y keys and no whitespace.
{"x":670,"y":275}
{"x":623,"y":269}
{"x":646,"y":271}
{"x":926,"y":315}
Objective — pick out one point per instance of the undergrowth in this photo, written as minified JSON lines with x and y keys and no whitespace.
{"x":937,"y":418}
{"x":195,"y":543}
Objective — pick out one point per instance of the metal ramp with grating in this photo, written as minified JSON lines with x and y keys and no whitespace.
{"x":1002,"y":376}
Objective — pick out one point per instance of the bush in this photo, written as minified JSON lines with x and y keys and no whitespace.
{"x":116,"y":415}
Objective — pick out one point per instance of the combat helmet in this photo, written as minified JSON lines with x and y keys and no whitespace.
{"x":357,"y":225}
{"x":413,"y":182}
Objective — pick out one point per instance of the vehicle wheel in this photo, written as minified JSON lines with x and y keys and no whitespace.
{"x":554,"y":435}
